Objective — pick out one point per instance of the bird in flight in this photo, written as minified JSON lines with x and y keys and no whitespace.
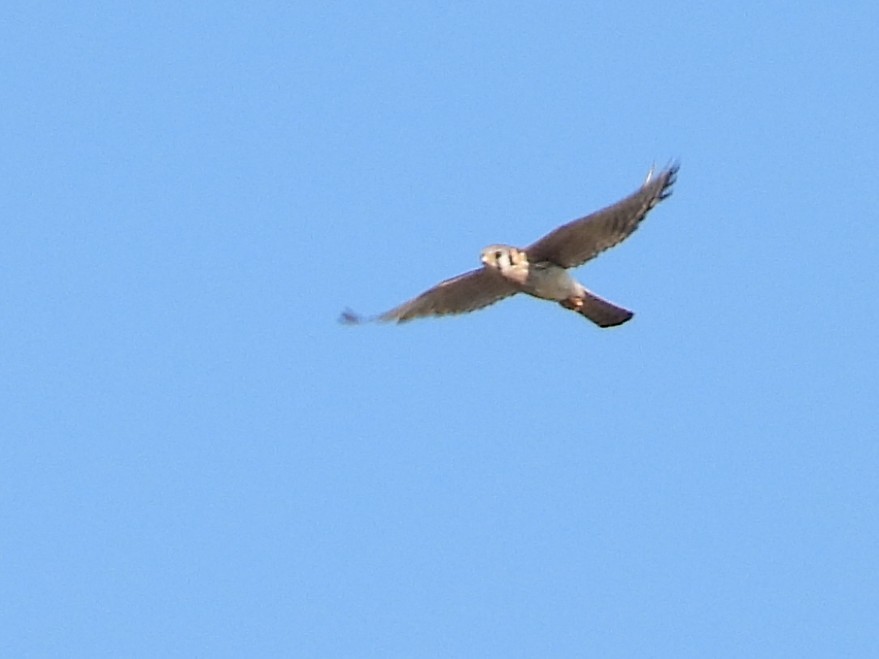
{"x":541,"y":269}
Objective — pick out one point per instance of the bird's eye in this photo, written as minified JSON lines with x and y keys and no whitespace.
{"x":497,"y":255}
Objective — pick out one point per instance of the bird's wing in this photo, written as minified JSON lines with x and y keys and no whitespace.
{"x":468,"y":292}
{"x":575,"y":243}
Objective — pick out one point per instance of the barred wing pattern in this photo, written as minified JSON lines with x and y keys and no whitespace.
{"x":468,"y":292}
{"x":575,"y":243}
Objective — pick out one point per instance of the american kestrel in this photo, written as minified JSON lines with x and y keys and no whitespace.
{"x":540,"y":270}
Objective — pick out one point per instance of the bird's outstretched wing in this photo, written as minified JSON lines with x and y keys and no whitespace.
{"x":575,"y":243}
{"x":468,"y":292}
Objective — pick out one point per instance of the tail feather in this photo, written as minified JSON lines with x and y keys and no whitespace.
{"x":598,"y":310}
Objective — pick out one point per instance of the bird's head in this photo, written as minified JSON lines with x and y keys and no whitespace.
{"x":501,"y":257}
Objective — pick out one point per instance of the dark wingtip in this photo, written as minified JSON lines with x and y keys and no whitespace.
{"x":348,"y":317}
{"x":670,"y":174}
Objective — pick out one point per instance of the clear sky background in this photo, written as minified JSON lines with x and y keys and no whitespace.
{"x":198,"y":460}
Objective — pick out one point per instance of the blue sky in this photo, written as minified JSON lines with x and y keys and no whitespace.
{"x":197,"y":460}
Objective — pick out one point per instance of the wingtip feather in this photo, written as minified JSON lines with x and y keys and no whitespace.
{"x":349,"y":317}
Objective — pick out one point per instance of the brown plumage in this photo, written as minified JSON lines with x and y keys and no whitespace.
{"x":540,"y":269}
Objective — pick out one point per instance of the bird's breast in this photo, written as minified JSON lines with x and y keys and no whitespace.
{"x":549,"y":281}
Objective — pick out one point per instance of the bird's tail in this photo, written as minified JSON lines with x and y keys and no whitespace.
{"x":598,"y":310}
